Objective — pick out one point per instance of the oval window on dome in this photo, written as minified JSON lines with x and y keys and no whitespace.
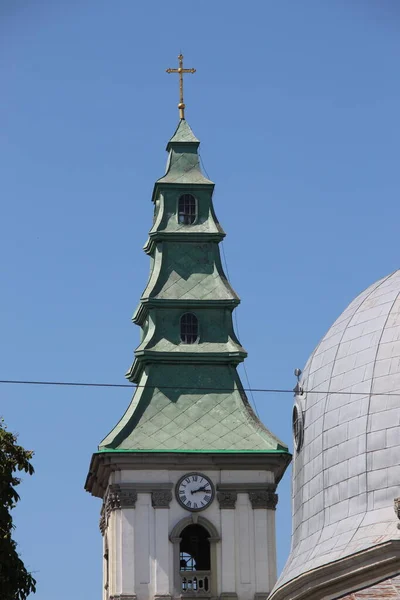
{"x":298,"y":426}
{"x":187,"y":209}
{"x":189,"y":328}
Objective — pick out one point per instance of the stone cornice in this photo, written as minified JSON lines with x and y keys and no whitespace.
{"x":344,"y":576}
{"x":104,"y":463}
{"x":247,"y":487}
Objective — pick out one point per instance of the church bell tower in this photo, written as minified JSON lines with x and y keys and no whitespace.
{"x":188,"y":475}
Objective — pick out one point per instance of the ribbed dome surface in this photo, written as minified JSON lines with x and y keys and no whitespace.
{"x":347,"y":472}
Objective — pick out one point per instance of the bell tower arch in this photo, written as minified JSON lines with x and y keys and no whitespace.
{"x":195,"y":556}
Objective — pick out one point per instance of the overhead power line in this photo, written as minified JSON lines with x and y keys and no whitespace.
{"x":190,"y":388}
{"x":133,"y":386}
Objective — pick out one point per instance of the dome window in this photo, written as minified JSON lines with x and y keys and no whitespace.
{"x":187,"y":209}
{"x":298,"y":426}
{"x":189,"y":328}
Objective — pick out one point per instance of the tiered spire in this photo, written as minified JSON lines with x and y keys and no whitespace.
{"x":189,"y":395}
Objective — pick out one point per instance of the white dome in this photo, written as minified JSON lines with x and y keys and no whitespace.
{"x":347,"y":472}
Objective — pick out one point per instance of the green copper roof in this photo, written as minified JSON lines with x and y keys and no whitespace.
{"x":183,"y":134}
{"x":183,"y":166}
{"x":195,"y":274}
{"x":189,"y":396}
{"x":184,"y":418}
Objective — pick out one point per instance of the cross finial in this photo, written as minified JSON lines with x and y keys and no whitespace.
{"x":180,"y":70}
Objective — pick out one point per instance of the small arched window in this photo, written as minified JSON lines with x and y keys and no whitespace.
{"x":187,"y":209}
{"x":189,"y":328}
{"x":298,"y":426}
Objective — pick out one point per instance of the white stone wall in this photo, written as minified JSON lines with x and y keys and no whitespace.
{"x":141,"y":558}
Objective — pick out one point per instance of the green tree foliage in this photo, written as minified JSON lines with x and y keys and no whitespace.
{"x":15,"y":581}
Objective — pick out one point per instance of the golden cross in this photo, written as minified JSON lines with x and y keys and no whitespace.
{"x":180,"y":72}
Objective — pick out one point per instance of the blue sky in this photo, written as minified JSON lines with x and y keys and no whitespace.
{"x":297,"y":107}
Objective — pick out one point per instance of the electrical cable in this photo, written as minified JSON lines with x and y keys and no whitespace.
{"x":191,"y":388}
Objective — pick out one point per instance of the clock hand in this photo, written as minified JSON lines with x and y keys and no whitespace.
{"x":201,"y":489}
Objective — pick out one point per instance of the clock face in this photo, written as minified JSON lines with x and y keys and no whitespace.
{"x":194,"y":491}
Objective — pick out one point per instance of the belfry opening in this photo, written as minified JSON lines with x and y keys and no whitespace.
{"x":195,"y":549}
{"x":195,"y":559}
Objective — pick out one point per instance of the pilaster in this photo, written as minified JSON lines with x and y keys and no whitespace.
{"x":127,"y":550}
{"x":271,"y":537}
{"x":228,"y":546}
{"x":162,"y":581}
{"x":262,"y":558}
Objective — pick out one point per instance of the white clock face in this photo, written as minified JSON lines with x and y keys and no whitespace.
{"x":195,"y":491}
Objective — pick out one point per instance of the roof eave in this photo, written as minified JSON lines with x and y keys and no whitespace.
{"x":105,"y":461}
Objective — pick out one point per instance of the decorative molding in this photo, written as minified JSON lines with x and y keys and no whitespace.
{"x":397,"y":509}
{"x":147,"y":488}
{"x":245,"y":487}
{"x":124,"y":597}
{"x":263,"y":499}
{"x":175,"y":539}
{"x":163,"y":597}
{"x":103,"y":464}
{"x":161,"y":499}
{"x":228,"y":596}
{"x":120,"y":497}
{"x":227,"y":499}
{"x":102,"y":523}
{"x":175,"y":534}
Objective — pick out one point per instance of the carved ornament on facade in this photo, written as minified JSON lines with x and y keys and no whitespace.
{"x":161,"y":498}
{"x":227,"y":499}
{"x":397,"y":509}
{"x":263,"y":499}
{"x":102,"y":523}
{"x":119,"y":497}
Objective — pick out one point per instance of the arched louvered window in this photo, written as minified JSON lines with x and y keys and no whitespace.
{"x":298,"y":426}
{"x":187,"y":209}
{"x":189,"y":328}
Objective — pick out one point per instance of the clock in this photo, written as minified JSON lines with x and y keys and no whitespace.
{"x":194,"y":491}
